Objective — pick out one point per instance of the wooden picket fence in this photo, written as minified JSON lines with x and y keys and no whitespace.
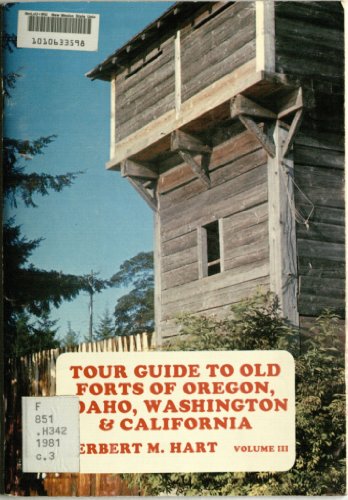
{"x":35,"y":375}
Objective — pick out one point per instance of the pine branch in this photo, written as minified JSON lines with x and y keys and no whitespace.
{"x":18,"y":183}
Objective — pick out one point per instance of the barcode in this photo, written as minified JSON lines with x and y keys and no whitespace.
{"x":57,"y":30}
{"x":46,"y":24}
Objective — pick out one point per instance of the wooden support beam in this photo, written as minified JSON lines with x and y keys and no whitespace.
{"x":180,"y":141}
{"x":264,"y":140}
{"x":265,"y":35}
{"x":241,"y":105}
{"x":246,"y":109}
{"x":113,"y":116}
{"x":282,"y":228}
{"x":295,"y":125}
{"x":144,"y":192}
{"x":177,"y":68}
{"x":196,"y":168}
{"x":293,"y":103}
{"x":187,"y":145}
{"x":158,"y":278}
{"x":148,"y":184}
{"x":130,"y":168}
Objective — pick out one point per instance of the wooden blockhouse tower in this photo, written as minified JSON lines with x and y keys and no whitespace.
{"x":227,"y":118}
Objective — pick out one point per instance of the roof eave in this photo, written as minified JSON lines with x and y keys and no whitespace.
{"x":113,"y":63}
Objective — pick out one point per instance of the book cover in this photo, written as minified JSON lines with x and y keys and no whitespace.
{"x":174,"y":258}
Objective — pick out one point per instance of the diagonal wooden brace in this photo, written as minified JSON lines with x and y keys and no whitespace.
{"x":143,"y":179}
{"x":264,"y":140}
{"x":145,"y":193}
{"x":295,"y":125}
{"x":187,"y":146}
{"x":196,"y":168}
{"x":294,"y":105}
{"x":247,"y":110}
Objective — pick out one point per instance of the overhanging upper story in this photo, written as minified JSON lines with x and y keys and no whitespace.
{"x":183,"y":71}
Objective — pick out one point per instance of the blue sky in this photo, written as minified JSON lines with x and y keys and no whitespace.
{"x":100,"y":221}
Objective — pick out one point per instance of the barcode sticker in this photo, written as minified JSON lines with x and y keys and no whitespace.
{"x":57,"y":30}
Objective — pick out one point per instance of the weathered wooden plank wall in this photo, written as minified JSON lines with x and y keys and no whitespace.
{"x":238,"y":195}
{"x":309,"y":45}
{"x":216,"y":47}
{"x":148,"y":93}
{"x":321,"y":245}
{"x":211,"y":46}
{"x":35,"y":375}
{"x":309,"y":38}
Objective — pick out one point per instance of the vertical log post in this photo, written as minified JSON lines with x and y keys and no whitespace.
{"x":158,"y":283}
{"x":113,"y":116}
{"x":282,"y":230}
{"x":265,"y":35}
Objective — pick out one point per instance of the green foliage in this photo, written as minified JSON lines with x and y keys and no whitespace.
{"x":71,"y":338}
{"x":91,"y":284}
{"x":34,"y":336}
{"x":45,"y":331}
{"x":28,"y":289}
{"x":18,"y":182}
{"x":134,"y":312}
{"x":105,"y":328}
{"x":255,"y":323}
{"x":9,"y":82}
{"x":8,"y":44}
{"x":137,"y":271}
{"x":320,"y":415}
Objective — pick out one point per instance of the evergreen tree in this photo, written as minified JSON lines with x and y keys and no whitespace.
{"x":34,"y":336}
{"x":27,"y":289}
{"x":71,"y":338}
{"x":9,"y":43}
{"x":106,"y":327}
{"x":45,"y":333}
{"x":24,"y":329}
{"x":134,"y":312}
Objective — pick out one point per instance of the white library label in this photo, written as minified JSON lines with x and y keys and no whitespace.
{"x":51,"y":434}
{"x":57,"y":30}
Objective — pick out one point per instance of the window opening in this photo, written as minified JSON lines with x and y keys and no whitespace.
{"x":211,"y":251}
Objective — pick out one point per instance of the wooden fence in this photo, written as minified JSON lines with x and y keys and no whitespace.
{"x":35,"y":375}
